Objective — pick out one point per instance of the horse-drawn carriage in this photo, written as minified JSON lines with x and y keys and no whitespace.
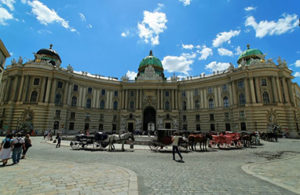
{"x":226,"y":140}
{"x":101,"y":140}
{"x":163,"y":139}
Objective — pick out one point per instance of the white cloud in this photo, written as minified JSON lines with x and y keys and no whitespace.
{"x":189,"y":55}
{"x":186,"y":2}
{"x":285,"y":24}
{"x":82,"y":17}
{"x":217,"y":66}
{"x":178,"y":63}
{"x":4,"y":15}
{"x":125,"y":34}
{"x":297,"y":63}
{"x":224,"y":52}
{"x":225,"y":37}
{"x":250,"y":8}
{"x":152,"y":25}
{"x":205,"y":52}
{"x":9,"y":4}
{"x":131,"y":75}
{"x":46,"y":16}
{"x":24,"y":1}
{"x":238,"y":51}
{"x":44,"y":31}
{"x":11,"y":54}
{"x":89,"y":26}
{"x":159,"y":7}
{"x":297,"y":74}
{"x":190,"y":46}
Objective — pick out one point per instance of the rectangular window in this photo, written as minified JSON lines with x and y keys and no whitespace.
{"x":131,"y":93}
{"x":196,"y":93}
{"x":90,"y":90}
{"x":1,"y":124}
{"x":198,"y":127}
{"x":242,"y":114}
{"x":75,"y":88}
{"x":263,"y":82}
{"x":101,"y":117}
{"x":184,"y":117}
{"x":167,"y":93}
{"x":183,"y":94}
{"x":210,"y":90}
{"x":224,"y":87}
{"x":114,"y":127}
{"x":103,"y":92}
{"x":57,"y":114}
{"x":243,"y":126}
{"x":212,"y":127}
{"x":115,"y":118}
{"x":197,"y":117}
{"x":73,"y":115}
{"x":100,"y":127}
{"x":59,"y":85}
{"x":36,"y":81}
{"x":241,"y":84}
{"x":185,"y":127}
{"x":71,"y":126}
{"x":227,"y":127}
{"x":211,"y":117}
{"x":116,"y":93}
{"x":226,"y":116}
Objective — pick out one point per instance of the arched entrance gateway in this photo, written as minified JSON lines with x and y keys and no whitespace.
{"x":149,"y":119}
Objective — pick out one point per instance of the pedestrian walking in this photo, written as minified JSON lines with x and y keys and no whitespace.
{"x":175,"y":144}
{"x":18,"y":145}
{"x":27,"y":145}
{"x":58,"y":138}
{"x":45,"y":134}
{"x":5,"y":149}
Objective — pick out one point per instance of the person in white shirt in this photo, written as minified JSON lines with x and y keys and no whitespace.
{"x":175,"y":144}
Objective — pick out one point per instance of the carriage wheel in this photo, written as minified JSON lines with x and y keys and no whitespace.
{"x":74,"y":145}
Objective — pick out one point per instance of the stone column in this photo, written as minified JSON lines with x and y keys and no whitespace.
{"x":289,"y":85}
{"x":234,"y":93}
{"x":220,"y":97}
{"x":49,"y":85}
{"x":126,"y":97}
{"x":175,"y":99}
{"x":257,"y":84}
{"x":21,"y":87}
{"x":14,"y":88}
{"x":136,"y":99}
{"x":161,"y":99}
{"x":205,"y":98}
{"x":247,"y":94}
{"x":252,"y":91}
{"x":27,"y":88}
{"x":69,"y":99}
{"x":285,"y":89}
{"x":66,"y":93}
{"x":41,"y":94}
{"x":2,"y":90}
{"x":279,"y":90}
{"x":158,"y":98}
{"x":53,"y":94}
{"x":274,"y":90}
{"x":7,"y":90}
{"x":141,"y":98}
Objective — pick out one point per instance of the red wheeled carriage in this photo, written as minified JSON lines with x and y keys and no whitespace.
{"x":226,"y":140}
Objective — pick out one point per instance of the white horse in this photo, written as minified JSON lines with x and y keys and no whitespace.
{"x":116,"y":138}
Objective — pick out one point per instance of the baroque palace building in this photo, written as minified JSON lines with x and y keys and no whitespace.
{"x":256,"y":95}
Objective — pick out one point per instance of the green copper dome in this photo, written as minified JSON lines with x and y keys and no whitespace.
{"x":150,"y":60}
{"x":250,"y":53}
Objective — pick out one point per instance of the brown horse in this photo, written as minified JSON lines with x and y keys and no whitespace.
{"x":200,"y":138}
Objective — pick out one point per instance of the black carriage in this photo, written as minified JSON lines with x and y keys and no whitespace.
{"x":162,"y":139}
{"x":98,"y":140}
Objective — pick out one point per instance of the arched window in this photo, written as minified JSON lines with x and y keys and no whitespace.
{"x":226,"y":102}
{"x":184,"y":105}
{"x":266,"y":98}
{"x":167,"y":105}
{"x":242,"y":99}
{"x":57,"y":99}
{"x":131,"y":105}
{"x":74,"y":101}
{"x":115,"y":105}
{"x":197,"y":104}
{"x":102,"y":104}
{"x":33,"y":97}
{"x":88,"y":103}
{"x":211,"y":103}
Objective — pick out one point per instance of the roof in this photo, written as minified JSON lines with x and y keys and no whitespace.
{"x":250,"y":53}
{"x":50,"y":52}
{"x":151,"y":60}
{"x":3,"y":49}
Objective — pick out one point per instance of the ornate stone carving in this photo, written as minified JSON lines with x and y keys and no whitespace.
{"x":20,"y":61}
{"x":70,"y":68}
{"x":149,"y":74}
{"x":13,"y":61}
{"x":175,"y":124}
{"x":149,"y":101}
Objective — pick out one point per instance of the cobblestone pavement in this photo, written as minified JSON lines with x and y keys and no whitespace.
{"x":214,"y":172}
{"x":51,"y":177}
{"x":283,"y":172}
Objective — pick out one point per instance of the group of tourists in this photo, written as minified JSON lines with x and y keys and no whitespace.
{"x":13,"y":146}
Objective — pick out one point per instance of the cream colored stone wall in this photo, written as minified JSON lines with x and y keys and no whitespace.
{"x":282,"y":108}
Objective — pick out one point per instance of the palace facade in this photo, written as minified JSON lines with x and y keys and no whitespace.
{"x":40,"y":94}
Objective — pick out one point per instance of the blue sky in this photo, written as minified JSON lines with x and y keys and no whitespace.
{"x":190,"y":37}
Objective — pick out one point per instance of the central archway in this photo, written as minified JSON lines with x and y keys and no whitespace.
{"x":149,"y":117}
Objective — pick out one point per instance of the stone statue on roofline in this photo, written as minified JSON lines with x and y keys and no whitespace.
{"x":70,"y":68}
{"x":20,"y":61}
